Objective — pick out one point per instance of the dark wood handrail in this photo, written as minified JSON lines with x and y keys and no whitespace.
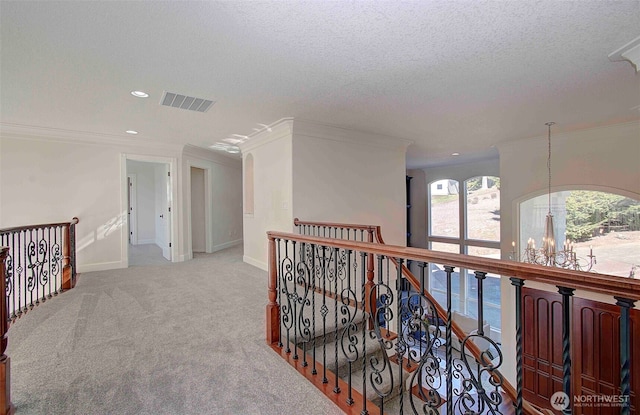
{"x":73,"y":221}
{"x":581,"y":280}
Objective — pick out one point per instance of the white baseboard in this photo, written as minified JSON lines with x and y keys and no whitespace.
{"x":101,"y":266}
{"x":226,"y":245}
{"x":146,"y":241}
{"x":255,"y":263}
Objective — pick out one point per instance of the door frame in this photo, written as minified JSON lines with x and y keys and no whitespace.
{"x":172,"y":202}
{"x":132,"y":206}
{"x":208,"y":208}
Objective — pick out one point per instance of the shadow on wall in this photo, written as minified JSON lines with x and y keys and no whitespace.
{"x":103,"y":231}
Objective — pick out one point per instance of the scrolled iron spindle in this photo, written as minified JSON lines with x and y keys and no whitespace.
{"x":448,"y":338}
{"x":366,"y":320}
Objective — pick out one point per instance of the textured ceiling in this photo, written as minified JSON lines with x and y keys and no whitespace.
{"x":454,"y":76}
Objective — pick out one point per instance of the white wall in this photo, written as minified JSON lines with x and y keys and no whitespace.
{"x":323,"y":173}
{"x":145,"y":200}
{"x":49,"y":178}
{"x":273,"y":199}
{"x":223,"y":199}
{"x":349,"y":176}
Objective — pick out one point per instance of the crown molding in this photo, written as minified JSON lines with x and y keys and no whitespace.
{"x":295,"y":127}
{"x":211,"y":156}
{"x":336,"y":133}
{"x":30,"y":132}
{"x":280,"y":129}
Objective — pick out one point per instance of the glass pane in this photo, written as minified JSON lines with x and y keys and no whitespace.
{"x":444,"y":218}
{"x":483,"y":208}
{"x":604,"y":224}
{"x":444,"y":247}
{"x":483,"y":252}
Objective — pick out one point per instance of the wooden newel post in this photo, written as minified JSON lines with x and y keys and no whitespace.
{"x":6,"y":407}
{"x":273,"y":308}
{"x":69,"y":255}
{"x":370,"y":288}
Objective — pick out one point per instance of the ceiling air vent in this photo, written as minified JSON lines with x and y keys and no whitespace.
{"x":170,"y":99}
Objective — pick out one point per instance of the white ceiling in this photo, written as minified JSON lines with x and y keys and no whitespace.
{"x":454,"y":76}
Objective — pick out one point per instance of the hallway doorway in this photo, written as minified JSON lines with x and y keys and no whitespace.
{"x":149,"y":188}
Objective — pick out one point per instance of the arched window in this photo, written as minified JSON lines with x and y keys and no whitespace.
{"x":605,"y":224}
{"x":248,"y":184}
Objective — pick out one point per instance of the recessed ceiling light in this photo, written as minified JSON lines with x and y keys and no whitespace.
{"x":455,"y":154}
{"x":134,"y":132}
{"x":139,"y":94}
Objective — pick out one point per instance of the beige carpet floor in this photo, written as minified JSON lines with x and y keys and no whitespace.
{"x":183,"y":338}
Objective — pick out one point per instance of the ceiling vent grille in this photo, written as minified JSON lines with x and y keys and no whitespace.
{"x":170,"y":99}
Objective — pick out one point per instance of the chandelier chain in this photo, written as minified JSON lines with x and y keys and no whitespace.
{"x":549,"y":124}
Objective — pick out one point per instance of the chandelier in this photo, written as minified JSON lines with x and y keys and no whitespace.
{"x":548,"y":254}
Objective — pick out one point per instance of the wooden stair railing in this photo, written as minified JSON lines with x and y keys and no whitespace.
{"x":626,"y":290}
{"x":37,"y":262}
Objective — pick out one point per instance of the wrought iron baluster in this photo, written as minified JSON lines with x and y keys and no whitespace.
{"x":349,"y":327}
{"x":280,"y":289}
{"x":336,"y":389}
{"x":72,"y":241}
{"x":324,"y":311}
{"x":304,"y":279}
{"x":295,"y":304}
{"x":625,"y":305}
{"x":566,"y":293}
{"x":287,"y":311}
{"x":365,"y":321}
{"x":401,"y":344}
{"x":49,"y":294}
{"x":30,"y":281}
{"x":518,"y":284}
{"x":18,"y":276}
{"x":314,"y":371}
{"x":448,"y":352}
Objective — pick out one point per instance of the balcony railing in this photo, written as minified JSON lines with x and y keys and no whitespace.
{"x":338,"y":313}
{"x":37,"y":262}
